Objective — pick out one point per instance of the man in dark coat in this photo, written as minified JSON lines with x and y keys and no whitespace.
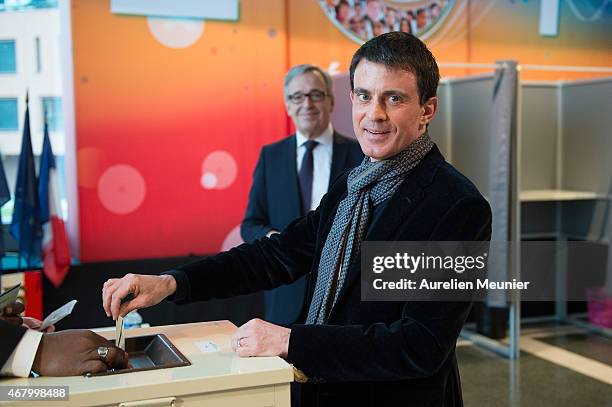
{"x":293,"y":174}
{"x":353,"y":352}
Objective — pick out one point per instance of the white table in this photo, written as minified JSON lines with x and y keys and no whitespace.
{"x":214,"y":378}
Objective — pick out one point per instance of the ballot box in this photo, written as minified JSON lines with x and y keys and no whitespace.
{"x":204,"y":371}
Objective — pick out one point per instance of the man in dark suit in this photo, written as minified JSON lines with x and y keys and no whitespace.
{"x":293,"y":174}
{"x":353,"y":352}
{"x":67,"y":353}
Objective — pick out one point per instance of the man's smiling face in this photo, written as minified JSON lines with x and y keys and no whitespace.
{"x":310,"y":117}
{"x":387,"y":113}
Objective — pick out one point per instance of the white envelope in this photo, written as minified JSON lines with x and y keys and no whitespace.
{"x":58,"y":315}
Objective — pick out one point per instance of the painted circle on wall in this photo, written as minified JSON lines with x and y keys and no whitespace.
{"x":121,"y":189}
{"x":232,"y":239}
{"x":219,"y":170}
{"x":175,"y":33}
{"x":361,"y":20}
{"x":208,"y":180}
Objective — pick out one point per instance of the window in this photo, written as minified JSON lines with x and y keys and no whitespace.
{"x":55,"y":117}
{"x":16,"y":5}
{"x":7,"y":56}
{"x":8,"y":114}
{"x":38,"y":60}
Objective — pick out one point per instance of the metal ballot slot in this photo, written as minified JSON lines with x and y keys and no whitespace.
{"x":150,"y":353}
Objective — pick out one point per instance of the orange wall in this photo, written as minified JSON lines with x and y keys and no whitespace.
{"x":150,"y":115}
{"x":167,"y":138}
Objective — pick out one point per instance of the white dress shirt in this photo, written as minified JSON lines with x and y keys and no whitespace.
{"x":20,"y":362}
{"x":322,"y":157}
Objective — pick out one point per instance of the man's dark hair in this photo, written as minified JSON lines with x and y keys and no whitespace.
{"x":399,"y":50}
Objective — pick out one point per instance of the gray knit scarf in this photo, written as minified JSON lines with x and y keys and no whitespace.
{"x":368,"y":185}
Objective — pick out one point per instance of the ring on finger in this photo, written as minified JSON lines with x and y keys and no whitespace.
{"x":238,"y":344}
{"x":102,"y":352}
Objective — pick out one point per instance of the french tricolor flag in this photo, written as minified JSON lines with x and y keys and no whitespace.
{"x":55,"y":251}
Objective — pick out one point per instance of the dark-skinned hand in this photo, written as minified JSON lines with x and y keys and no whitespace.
{"x":74,"y":352}
{"x":11,"y":314}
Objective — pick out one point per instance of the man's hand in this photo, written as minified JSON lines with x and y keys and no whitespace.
{"x":147,"y":291}
{"x":261,"y":338}
{"x":75,"y":352}
{"x":33,"y":323}
{"x":11,"y":315}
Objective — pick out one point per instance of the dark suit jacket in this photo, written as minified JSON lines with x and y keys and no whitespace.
{"x":369,"y":353}
{"x":274,"y":202}
{"x":11,"y":335}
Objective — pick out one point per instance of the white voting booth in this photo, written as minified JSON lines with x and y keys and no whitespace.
{"x":567,"y":172}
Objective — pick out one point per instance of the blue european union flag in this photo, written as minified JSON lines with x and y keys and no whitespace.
{"x":47,"y":162}
{"x":25,"y":226}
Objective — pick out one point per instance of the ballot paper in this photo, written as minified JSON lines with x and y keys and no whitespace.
{"x":207,"y":346}
{"x":58,"y":315}
{"x":120,"y":326}
{"x":119,"y":338}
{"x":8,"y":297}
